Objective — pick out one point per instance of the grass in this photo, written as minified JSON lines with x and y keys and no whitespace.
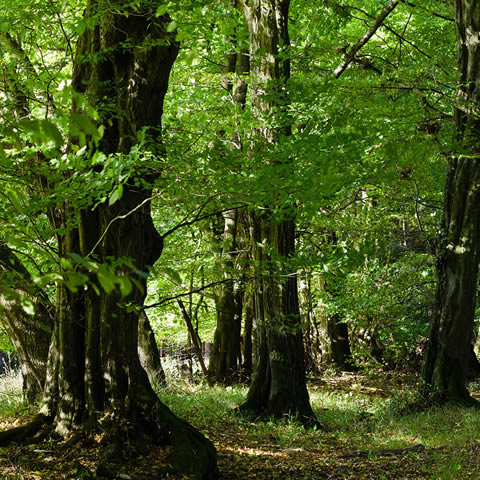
{"x":364,"y":415}
{"x":360,"y":412}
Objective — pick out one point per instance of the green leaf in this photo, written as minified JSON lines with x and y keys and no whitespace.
{"x":125,"y":284}
{"x":98,"y":157}
{"x":107,"y":279}
{"x":191,"y":56}
{"x":81,"y":26}
{"x":66,"y":263}
{"x":172,"y":275}
{"x":116,"y":195}
{"x":91,"y":266}
{"x":82,"y":124}
{"x":75,"y":280}
{"x":171,"y":26}
{"x":27,"y":305}
{"x":51,"y":131}
{"x":161,"y":10}
{"x":180,"y":36}
{"x":13,"y":197}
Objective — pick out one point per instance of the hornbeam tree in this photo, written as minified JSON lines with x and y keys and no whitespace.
{"x":278,"y":384}
{"x":121,"y":68}
{"x":451,"y":330}
{"x":29,"y":324}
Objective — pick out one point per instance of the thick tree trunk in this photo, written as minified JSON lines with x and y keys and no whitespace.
{"x":30,"y":334}
{"x":278,"y":385}
{"x":94,"y":372}
{"x":326,"y":338}
{"x":448,"y":350}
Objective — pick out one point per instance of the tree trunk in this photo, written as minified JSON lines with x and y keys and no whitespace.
{"x":336,"y":344}
{"x":148,"y":351}
{"x":30,"y":334}
{"x":249,"y":313}
{"x":278,"y":385}
{"x":451,"y":330}
{"x":94,"y":373}
{"x":226,"y":358}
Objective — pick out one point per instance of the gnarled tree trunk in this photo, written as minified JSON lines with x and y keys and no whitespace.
{"x":94,"y":374}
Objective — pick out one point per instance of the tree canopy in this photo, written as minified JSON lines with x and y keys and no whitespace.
{"x":280,"y":167}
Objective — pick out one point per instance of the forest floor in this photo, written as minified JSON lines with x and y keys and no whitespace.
{"x":371,"y":432}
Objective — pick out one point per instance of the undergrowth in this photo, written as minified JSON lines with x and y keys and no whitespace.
{"x":374,"y":428}
{"x":360,"y":414}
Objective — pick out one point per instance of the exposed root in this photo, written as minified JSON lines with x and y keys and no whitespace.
{"x":25,"y":433}
{"x":121,"y":441}
{"x":192,"y":452}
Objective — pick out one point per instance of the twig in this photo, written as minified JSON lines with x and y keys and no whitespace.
{"x":119,"y":217}
{"x":391,"y":30}
{"x":185,"y":294}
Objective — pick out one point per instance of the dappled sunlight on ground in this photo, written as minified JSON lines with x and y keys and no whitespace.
{"x":370,"y":434}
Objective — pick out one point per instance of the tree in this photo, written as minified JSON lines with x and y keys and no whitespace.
{"x":27,"y":317}
{"x":121,"y":68}
{"x":448,"y":350}
{"x":278,"y":385}
{"x":226,"y":358}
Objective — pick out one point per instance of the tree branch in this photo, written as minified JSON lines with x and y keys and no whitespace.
{"x":350,"y":55}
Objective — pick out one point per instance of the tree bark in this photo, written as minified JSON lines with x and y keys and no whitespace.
{"x":278,"y":385}
{"x":30,"y":334}
{"x":148,"y":351}
{"x":94,"y":374}
{"x":226,"y":358}
{"x":451,"y":330}
{"x":249,"y":314}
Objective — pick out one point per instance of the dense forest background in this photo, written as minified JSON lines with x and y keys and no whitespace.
{"x":292,"y":184}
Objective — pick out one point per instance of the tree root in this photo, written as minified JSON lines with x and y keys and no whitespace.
{"x":25,"y":433}
{"x":192,"y":452}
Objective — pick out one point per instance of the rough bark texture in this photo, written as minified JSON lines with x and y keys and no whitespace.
{"x":29,"y":334}
{"x":148,"y":351}
{"x":336,"y":345}
{"x":278,"y":385}
{"x":226,"y":358}
{"x":446,"y":359}
{"x":122,"y":66}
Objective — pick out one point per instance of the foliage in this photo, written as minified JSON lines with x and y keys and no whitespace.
{"x":366,"y":157}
